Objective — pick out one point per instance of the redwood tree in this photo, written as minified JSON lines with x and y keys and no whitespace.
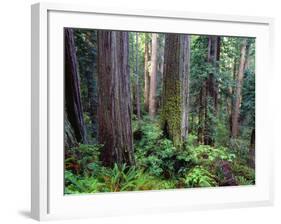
{"x":74,"y":124}
{"x":153,"y":77}
{"x":208,"y":96}
{"x":211,"y":85}
{"x":174,"y":115}
{"x":146,"y":72}
{"x":114,"y":101}
{"x":238,"y":90}
{"x":138,"y":87}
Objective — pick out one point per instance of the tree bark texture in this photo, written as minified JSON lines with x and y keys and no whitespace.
{"x":231,"y":93}
{"x":153,"y":78}
{"x":210,"y":94}
{"x":174,"y":114}
{"x":92,"y":100}
{"x":69,"y":135}
{"x":114,"y":100}
{"x":73,"y":106}
{"x":146,"y":73}
{"x":201,"y":113}
{"x":137,"y":81}
{"x":238,"y":90}
{"x":184,"y":83}
{"x":161,"y":49}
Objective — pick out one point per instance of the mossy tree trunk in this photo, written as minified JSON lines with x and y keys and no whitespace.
{"x":73,"y":106}
{"x":114,"y":100}
{"x":174,"y":114}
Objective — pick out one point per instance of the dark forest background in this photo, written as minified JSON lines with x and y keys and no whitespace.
{"x":155,"y":111}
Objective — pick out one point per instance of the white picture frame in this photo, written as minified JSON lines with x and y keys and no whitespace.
{"x":48,"y":201}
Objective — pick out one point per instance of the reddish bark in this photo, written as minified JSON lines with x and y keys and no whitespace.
{"x":153,"y":77}
{"x":146,"y":73}
{"x":114,"y":100}
{"x":238,"y":91}
{"x":73,"y":106}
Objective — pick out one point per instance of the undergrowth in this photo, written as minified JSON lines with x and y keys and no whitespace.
{"x":159,"y":165}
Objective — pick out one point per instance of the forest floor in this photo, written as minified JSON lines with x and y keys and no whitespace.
{"x":159,"y":165}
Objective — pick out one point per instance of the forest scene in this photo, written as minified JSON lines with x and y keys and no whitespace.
{"x":155,"y":111}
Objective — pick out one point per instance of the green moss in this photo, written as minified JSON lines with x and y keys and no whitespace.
{"x":171,"y":112}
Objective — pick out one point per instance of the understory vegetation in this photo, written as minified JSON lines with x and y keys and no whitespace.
{"x":159,"y":165}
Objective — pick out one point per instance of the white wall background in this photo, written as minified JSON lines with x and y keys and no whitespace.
{"x":15,"y":110}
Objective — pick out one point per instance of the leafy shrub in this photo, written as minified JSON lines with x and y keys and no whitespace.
{"x":240,"y":147}
{"x":75,"y":184}
{"x":205,"y":154}
{"x":159,"y":159}
{"x":153,"y":152}
{"x":119,"y":178}
{"x":221,"y":132}
{"x":199,"y":177}
{"x":166,"y":184}
{"x":159,"y":165}
{"x":243,"y":171}
{"x":192,"y":139}
{"x":78,"y":158}
{"x":112,"y":180}
{"x":243,"y":181}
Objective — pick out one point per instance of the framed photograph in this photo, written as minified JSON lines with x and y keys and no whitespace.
{"x":138,"y":111}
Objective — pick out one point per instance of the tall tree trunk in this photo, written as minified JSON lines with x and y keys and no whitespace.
{"x":238,"y":90}
{"x":137,"y":82}
{"x":69,"y":135}
{"x":251,"y":159}
{"x":201,"y":114}
{"x":73,"y":106}
{"x":92,"y":100}
{"x":184,"y":83}
{"x":114,"y":100}
{"x":174,"y":115}
{"x":153,"y":77}
{"x":146,"y":73}
{"x":211,"y":85}
{"x":231,"y":93}
{"x":161,"y":41}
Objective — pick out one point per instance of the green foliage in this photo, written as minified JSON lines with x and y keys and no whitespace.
{"x":222,"y":132}
{"x":199,"y":177}
{"x":248,"y":102}
{"x":171,"y":113}
{"x":192,"y":139}
{"x":205,"y":154}
{"x":153,"y":152}
{"x":159,"y":165}
{"x":240,"y":146}
{"x":113,"y":180}
{"x":243,"y":181}
{"x":78,"y":158}
{"x":244,"y":171}
{"x":75,"y":184}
